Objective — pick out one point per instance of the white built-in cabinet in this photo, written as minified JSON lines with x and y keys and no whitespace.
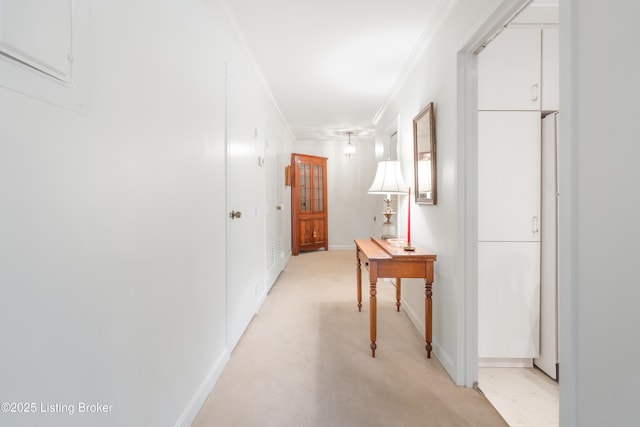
{"x":509,"y":71}
{"x":509,"y":168}
{"x":518,"y":70}
{"x":508,"y":176}
{"x":508,"y":300}
{"x":517,"y":85}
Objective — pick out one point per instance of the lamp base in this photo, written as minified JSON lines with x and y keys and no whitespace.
{"x":388,"y":230}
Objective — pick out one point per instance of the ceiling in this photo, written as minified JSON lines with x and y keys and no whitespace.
{"x":331,"y":64}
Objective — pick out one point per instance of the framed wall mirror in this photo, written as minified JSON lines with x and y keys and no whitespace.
{"x":424,"y":151}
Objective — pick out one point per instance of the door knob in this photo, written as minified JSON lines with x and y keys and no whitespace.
{"x":234,"y":214}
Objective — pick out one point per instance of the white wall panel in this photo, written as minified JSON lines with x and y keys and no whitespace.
{"x":112,"y":247}
{"x":434,"y":78}
{"x":599,"y":236}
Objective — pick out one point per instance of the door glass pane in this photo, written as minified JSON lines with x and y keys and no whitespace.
{"x":318,"y":189}
{"x":305,"y":187}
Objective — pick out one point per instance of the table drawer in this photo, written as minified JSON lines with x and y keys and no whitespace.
{"x":392,"y":269}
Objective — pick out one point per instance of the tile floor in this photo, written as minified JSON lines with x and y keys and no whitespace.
{"x":525,"y":397}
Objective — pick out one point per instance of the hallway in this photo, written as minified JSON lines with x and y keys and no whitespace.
{"x":305,"y":361}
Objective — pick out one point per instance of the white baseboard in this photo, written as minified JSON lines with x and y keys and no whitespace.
{"x":342,"y":247}
{"x":417,"y":321}
{"x":494,"y":362}
{"x":443,"y":357}
{"x":191,"y":411}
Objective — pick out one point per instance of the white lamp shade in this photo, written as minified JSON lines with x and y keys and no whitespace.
{"x":388,"y":179}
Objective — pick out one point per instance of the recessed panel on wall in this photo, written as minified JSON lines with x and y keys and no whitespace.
{"x":44,"y":50}
{"x":38,"y":34}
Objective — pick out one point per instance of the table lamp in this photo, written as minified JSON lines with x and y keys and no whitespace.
{"x":388,"y":181}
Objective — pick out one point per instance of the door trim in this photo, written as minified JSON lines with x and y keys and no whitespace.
{"x":467,"y":195}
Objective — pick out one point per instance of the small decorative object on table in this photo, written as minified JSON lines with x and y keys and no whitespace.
{"x":398,"y":242}
{"x":409,"y":246}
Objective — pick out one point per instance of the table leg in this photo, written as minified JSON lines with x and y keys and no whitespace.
{"x":373,"y":315}
{"x":359,"y":280}
{"x":427,"y":315}
{"x":398,"y":292}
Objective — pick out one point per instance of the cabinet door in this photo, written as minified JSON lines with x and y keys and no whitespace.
{"x":550,"y":69}
{"x":508,"y":299}
{"x":311,"y":232}
{"x":548,"y":253}
{"x":509,"y":71}
{"x":319,"y":230}
{"x":308,"y":231}
{"x":508,"y":175}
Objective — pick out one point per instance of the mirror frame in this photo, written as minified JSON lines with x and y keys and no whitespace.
{"x":425,"y":117}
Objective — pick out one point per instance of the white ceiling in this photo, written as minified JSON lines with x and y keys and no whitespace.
{"x":331,"y":64}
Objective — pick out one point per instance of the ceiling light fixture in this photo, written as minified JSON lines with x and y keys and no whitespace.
{"x":349,"y":150}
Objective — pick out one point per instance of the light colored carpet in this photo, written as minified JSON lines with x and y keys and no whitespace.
{"x":305,"y":361}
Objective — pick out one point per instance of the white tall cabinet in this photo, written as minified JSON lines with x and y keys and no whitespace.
{"x":517,"y":85}
{"x":508,"y":234}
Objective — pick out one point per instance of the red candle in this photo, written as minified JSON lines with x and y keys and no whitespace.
{"x":409,"y":220}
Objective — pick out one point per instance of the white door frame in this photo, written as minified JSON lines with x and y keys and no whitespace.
{"x":467,"y":195}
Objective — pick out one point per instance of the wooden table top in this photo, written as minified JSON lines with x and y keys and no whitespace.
{"x":380,"y":249}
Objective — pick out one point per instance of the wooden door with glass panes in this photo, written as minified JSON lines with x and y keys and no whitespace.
{"x":309,"y":220}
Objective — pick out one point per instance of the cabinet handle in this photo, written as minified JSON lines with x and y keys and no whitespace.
{"x":235,"y":214}
{"x":535,"y":92}
{"x":534,"y":225}
{"x":314,"y":234}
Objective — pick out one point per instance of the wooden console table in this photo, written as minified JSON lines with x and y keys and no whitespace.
{"x":387,"y":261}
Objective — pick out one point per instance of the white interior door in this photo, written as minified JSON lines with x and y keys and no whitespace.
{"x":548,"y":262}
{"x":274,"y":206}
{"x":242,"y":263}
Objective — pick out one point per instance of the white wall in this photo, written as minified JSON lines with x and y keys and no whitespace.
{"x":434,"y":79}
{"x":599,"y":92}
{"x":351,"y":209}
{"x":600,"y":238}
{"x":112,"y":250}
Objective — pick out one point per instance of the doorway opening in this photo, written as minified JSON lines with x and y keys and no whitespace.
{"x":499,"y":356}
